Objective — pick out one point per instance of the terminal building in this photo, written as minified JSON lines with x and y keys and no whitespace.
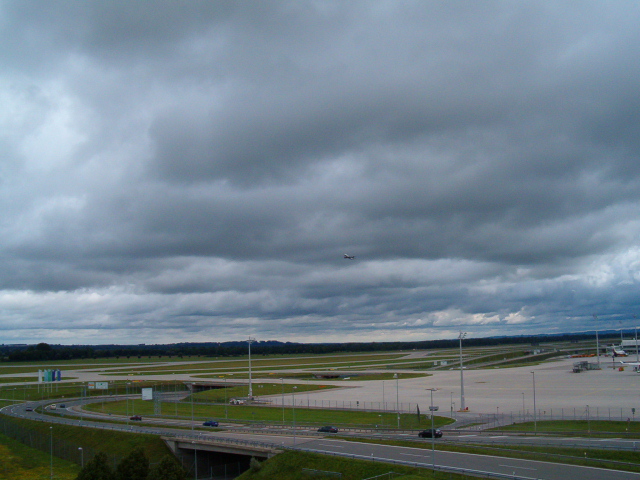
{"x":630,"y":346}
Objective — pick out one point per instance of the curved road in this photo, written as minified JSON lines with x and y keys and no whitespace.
{"x":309,"y":440}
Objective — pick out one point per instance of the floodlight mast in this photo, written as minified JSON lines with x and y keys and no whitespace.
{"x":250,"y":340}
{"x":462,"y":406}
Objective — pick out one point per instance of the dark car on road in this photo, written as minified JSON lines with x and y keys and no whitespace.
{"x":328,"y":429}
{"x":136,"y":417}
{"x":431,"y":433}
{"x":210,"y":423}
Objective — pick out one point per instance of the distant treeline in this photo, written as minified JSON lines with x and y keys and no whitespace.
{"x":46,"y":352}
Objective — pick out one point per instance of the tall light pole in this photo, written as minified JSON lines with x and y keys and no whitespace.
{"x":595,"y":317}
{"x":395,"y":375}
{"x":81,"y":457}
{"x":195,"y":455}
{"x":249,"y":342}
{"x":51,"y":448}
{"x":535,"y":413}
{"x":637,"y":358}
{"x":462,"y":406}
{"x":226,"y":403}
{"x":282,"y":380}
{"x":294,"y":415}
{"x":433,"y":409}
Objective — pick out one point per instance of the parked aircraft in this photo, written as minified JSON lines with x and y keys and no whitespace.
{"x":635,"y":365}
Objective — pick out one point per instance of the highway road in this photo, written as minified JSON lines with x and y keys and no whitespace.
{"x":308,"y":440}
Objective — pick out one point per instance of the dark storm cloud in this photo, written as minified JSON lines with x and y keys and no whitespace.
{"x":179,"y":168}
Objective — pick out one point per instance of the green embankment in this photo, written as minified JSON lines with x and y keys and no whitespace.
{"x":290,"y":466}
{"x":19,"y":462}
{"x":113,"y":443}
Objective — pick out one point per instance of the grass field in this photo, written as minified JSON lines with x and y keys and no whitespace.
{"x":578,"y":427}
{"x":273,"y":415}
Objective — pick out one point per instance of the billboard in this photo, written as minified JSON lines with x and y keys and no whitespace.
{"x":147,"y":394}
{"x":98,"y":385}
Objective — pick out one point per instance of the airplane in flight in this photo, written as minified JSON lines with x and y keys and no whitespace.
{"x":349,"y":257}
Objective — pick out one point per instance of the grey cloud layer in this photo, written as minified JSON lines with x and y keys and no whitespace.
{"x":182,"y":169}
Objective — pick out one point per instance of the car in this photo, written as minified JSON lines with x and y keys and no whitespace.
{"x":52,"y":406}
{"x":136,"y":417}
{"x":328,"y":429}
{"x":210,"y":423}
{"x":62,"y":405}
{"x":431,"y":433}
{"x":28,"y":409}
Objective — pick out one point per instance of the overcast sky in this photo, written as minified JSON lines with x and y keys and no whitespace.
{"x":195,"y":170}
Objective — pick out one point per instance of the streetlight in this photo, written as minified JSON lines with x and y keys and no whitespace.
{"x":195,"y":454}
{"x":249,"y":342}
{"x":598,"y":348}
{"x":226,"y":412}
{"x":535,"y":414}
{"x":294,"y":415}
{"x":395,"y":375}
{"x":451,"y":401}
{"x":51,"y":448}
{"x":462,"y":406}
{"x":433,"y":409}
{"x":523,"y":405}
{"x":282,"y":380}
{"x":81,"y":457}
{"x":192,"y":392}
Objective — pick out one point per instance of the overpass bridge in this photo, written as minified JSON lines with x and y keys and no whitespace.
{"x":218,"y":457}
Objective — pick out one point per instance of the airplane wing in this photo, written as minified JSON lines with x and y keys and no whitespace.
{"x":630,"y":364}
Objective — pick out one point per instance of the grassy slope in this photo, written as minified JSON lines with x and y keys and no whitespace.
{"x":108,"y":441}
{"x":289,"y":465}
{"x":19,"y":462}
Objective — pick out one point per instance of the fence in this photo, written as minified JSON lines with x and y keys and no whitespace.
{"x":57,"y":447}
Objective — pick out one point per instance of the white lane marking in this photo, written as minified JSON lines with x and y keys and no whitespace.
{"x":515,"y":466}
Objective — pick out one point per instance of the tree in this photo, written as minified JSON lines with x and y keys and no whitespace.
{"x":97,"y":469}
{"x":134,"y":466}
{"x":167,"y":469}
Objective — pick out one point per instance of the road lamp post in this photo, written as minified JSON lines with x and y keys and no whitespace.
{"x":433,"y":409}
{"x":249,"y":342}
{"x":294,"y":415}
{"x":81,"y":457}
{"x":51,"y":449}
{"x":395,"y":375}
{"x":282,"y":380}
{"x":462,"y":405}
{"x":535,"y":413}
{"x":195,"y":459}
